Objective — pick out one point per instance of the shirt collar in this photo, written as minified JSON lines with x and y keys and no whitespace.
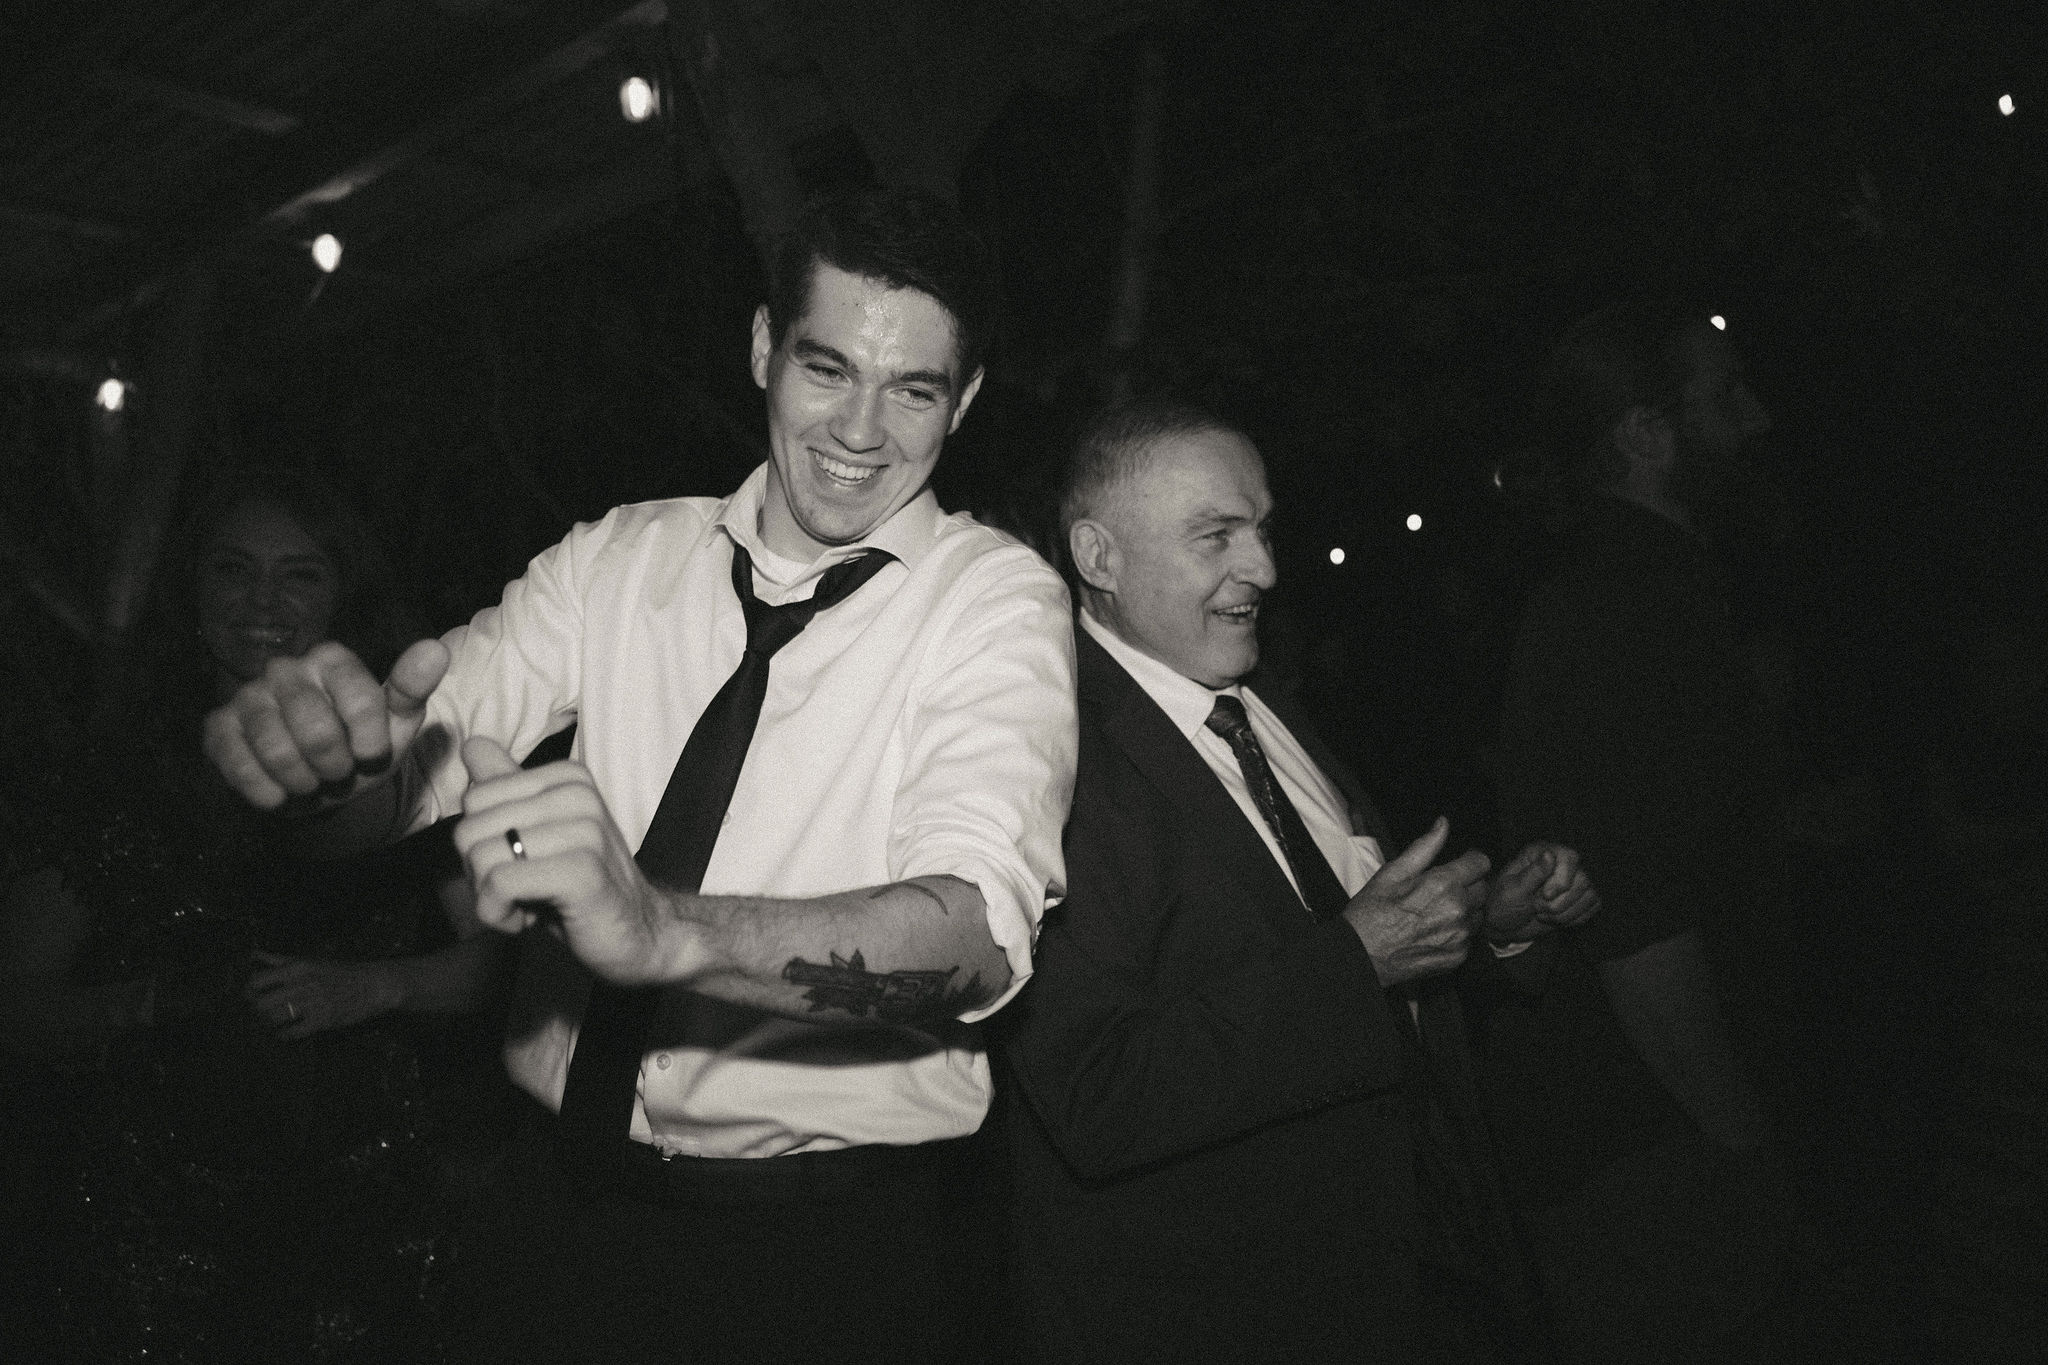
{"x":908,"y":534}
{"x":1186,"y":702}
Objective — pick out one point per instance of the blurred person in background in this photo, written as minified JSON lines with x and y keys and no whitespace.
{"x":196,"y":1185}
{"x":1640,"y":1151}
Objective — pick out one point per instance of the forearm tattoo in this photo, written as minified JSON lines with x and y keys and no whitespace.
{"x":892,"y":997}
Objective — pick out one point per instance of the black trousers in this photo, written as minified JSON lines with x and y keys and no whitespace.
{"x":843,"y":1258}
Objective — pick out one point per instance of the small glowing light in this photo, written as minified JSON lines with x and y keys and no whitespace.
{"x":112,"y":395}
{"x":2005,"y":105}
{"x":1720,"y":323}
{"x":1500,"y":478}
{"x":327,"y":251}
{"x":636,"y":99}
{"x":1415,"y":521}
{"x":1337,"y":555}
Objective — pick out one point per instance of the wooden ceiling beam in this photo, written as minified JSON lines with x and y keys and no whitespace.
{"x":198,"y":103}
{"x":64,"y":224}
{"x":333,"y":155}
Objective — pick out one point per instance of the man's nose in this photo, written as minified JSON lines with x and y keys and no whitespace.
{"x":857,"y":425}
{"x":1256,"y":565}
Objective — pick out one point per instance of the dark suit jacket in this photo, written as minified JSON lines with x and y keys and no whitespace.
{"x":1214,"y":1159}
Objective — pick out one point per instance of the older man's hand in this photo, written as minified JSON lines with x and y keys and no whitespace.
{"x":1543,"y":888}
{"x":1416,"y":920}
{"x":542,"y":847}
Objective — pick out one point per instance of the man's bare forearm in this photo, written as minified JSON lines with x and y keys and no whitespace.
{"x":916,"y":952}
{"x":1664,"y":997}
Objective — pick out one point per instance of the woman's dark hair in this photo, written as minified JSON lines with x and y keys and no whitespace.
{"x":367,"y":616}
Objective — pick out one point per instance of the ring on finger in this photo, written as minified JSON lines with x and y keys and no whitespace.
{"x":513,"y":842}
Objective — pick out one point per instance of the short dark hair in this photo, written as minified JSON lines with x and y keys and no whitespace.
{"x":907,"y":239}
{"x":1113,"y":447}
{"x":1626,"y":355}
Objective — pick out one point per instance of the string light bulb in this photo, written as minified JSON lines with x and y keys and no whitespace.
{"x":1415,"y":521}
{"x":2005,"y":105}
{"x":327,"y":252}
{"x":112,"y":395}
{"x":1337,"y":554}
{"x":1720,"y":323}
{"x":637,"y":100}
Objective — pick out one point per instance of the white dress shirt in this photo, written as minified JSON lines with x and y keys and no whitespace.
{"x":925,"y":725}
{"x":1322,"y":807}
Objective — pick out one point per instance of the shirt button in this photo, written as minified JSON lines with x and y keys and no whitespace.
{"x":661,"y":1060}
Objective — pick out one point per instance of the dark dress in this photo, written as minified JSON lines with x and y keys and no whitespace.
{"x":200,"y":1191}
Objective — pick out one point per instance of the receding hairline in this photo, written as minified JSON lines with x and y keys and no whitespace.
{"x":1111,"y":456}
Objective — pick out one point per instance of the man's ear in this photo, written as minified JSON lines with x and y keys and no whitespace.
{"x":764,"y":346}
{"x":966,"y":397}
{"x":1643,"y":436}
{"x":1096,"y":558}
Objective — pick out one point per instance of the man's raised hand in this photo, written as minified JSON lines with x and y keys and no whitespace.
{"x":321,"y":723}
{"x":1541,"y":889}
{"x":1416,"y":920}
{"x":542,"y":847}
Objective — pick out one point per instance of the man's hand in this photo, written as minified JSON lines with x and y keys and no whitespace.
{"x":1542,"y":889}
{"x":1416,"y":920}
{"x":321,"y":721}
{"x":572,"y":873}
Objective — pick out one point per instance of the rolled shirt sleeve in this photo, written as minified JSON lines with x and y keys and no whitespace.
{"x":990,"y":772}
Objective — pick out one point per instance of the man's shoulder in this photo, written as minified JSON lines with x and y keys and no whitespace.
{"x":971,"y":566}
{"x":684,"y":515}
{"x":962,"y":542}
{"x":660,"y":528}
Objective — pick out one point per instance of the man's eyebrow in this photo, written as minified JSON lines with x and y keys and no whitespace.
{"x":931,"y":379}
{"x":1204,"y":516}
{"x":818,"y":350}
{"x":807,"y":349}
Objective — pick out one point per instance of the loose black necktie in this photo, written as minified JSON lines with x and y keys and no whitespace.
{"x":1320,"y":890}
{"x":597,"y":1097}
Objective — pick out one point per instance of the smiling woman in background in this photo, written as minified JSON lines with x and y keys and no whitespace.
{"x":239,"y":1133}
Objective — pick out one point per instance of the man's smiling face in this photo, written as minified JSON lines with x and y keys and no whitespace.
{"x":1190,"y":559}
{"x":862,"y":392}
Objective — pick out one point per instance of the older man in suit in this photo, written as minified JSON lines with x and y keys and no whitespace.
{"x":1249,"y":1129}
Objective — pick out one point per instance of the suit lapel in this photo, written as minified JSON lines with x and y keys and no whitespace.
{"x":1136,"y":725}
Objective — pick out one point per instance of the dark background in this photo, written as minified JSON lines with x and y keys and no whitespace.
{"x":1366,"y":224}
{"x":1354,"y":228}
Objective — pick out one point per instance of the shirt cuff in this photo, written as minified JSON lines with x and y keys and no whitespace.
{"x":1013,"y":910}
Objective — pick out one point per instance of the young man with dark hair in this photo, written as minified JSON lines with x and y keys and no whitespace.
{"x":825,"y":746}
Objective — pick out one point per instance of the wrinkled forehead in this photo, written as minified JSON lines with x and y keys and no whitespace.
{"x":1211,"y":470}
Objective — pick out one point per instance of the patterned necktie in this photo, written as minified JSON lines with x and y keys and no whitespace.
{"x":1320,"y":890}
{"x":597,"y":1097}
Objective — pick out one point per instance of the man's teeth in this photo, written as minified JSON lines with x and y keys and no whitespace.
{"x":1243,"y":613}
{"x":839,"y":469}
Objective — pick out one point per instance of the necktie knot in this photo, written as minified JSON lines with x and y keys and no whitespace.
{"x":1228,"y":719}
{"x":770,"y":628}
